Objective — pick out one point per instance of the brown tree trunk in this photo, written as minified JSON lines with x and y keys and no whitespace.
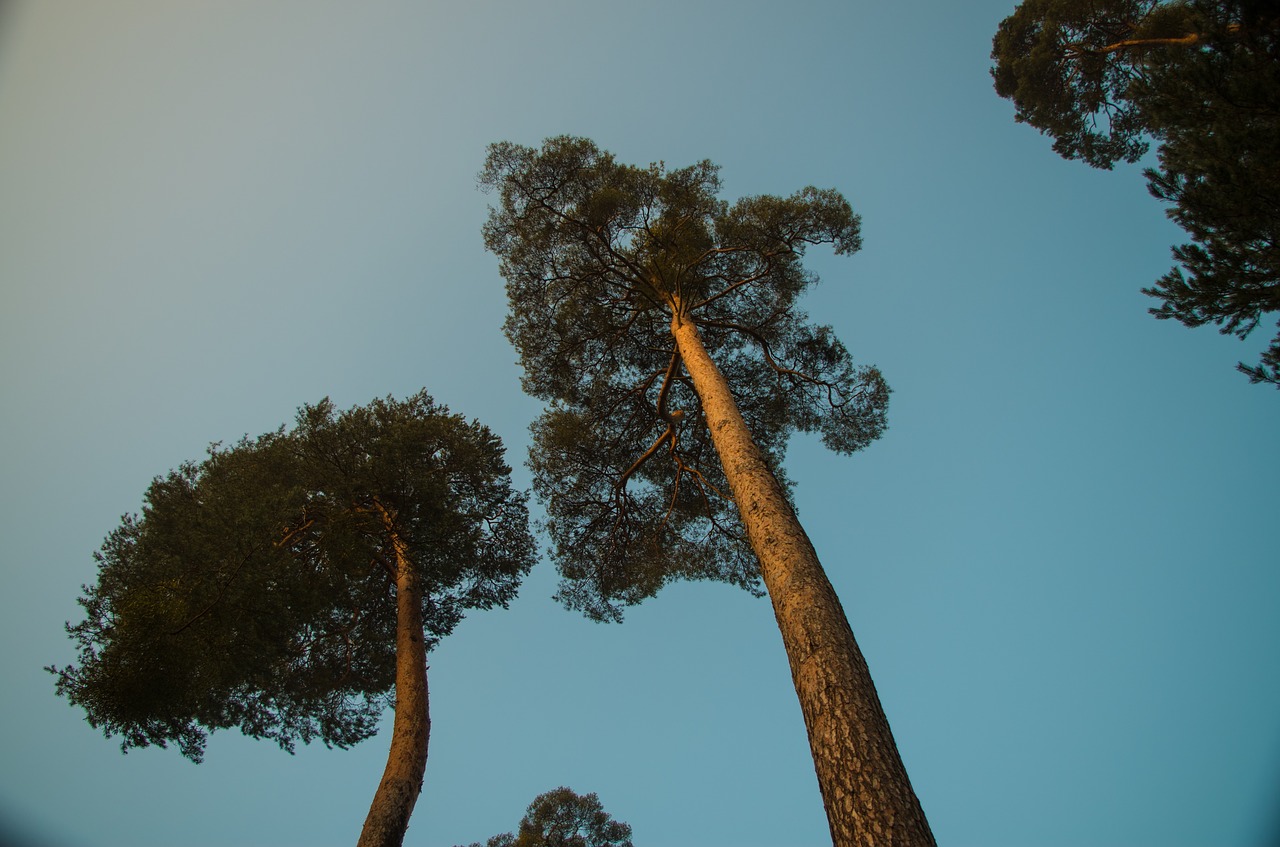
{"x":407,"y":762}
{"x":865,"y":789}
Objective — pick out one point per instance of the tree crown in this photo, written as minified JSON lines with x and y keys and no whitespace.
{"x":1076,"y":69}
{"x":1201,"y":77}
{"x":563,"y":818}
{"x":600,"y":258}
{"x":256,"y":588}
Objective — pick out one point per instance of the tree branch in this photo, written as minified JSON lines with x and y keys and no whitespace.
{"x":1188,"y":40}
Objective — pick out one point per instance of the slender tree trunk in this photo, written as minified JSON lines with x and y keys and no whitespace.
{"x":865,"y":789}
{"x":407,"y":762}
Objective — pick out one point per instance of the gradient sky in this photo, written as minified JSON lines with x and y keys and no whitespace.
{"x":1060,"y":560}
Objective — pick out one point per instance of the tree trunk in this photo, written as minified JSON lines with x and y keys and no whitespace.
{"x":407,"y":762}
{"x":865,"y":789}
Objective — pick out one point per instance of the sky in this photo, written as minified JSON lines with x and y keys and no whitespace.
{"x":1060,"y":559}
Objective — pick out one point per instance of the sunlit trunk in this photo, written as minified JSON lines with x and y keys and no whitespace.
{"x":402,"y":780}
{"x":865,"y":789}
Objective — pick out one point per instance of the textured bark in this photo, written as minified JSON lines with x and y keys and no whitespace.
{"x":407,"y":762}
{"x":865,"y":789}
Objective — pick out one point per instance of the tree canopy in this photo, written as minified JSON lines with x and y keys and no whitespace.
{"x":598,"y":256}
{"x":271,"y":586}
{"x":1105,"y":78}
{"x":563,"y":818}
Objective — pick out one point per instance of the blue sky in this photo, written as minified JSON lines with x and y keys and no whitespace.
{"x":1060,"y":560}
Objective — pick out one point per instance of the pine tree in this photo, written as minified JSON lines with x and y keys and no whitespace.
{"x":291,"y":585}
{"x":661,"y":326}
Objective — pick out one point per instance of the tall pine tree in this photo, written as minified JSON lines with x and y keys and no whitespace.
{"x":291,"y":586}
{"x":661,"y":326}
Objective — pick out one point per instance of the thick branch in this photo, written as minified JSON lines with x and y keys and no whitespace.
{"x":1188,"y":40}
{"x":670,"y":432}
{"x":1131,"y":43}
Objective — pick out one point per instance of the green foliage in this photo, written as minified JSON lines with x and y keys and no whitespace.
{"x":1051,"y":61}
{"x":1200,"y":77}
{"x":599,"y":257}
{"x":255,"y":590}
{"x":1221,"y":177}
{"x":563,"y":818}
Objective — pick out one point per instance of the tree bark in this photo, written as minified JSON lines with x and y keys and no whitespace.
{"x":407,"y":761}
{"x":865,"y":788}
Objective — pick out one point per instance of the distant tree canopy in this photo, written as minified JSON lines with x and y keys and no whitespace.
{"x":1201,"y":78}
{"x":563,"y":818}
{"x":290,"y":584}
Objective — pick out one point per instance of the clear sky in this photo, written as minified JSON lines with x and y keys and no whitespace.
{"x":1060,"y":560}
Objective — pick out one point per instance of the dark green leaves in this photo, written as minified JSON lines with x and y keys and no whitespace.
{"x":254,"y":591}
{"x":1052,"y":59}
{"x":1219,"y":169}
{"x":1202,"y":78}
